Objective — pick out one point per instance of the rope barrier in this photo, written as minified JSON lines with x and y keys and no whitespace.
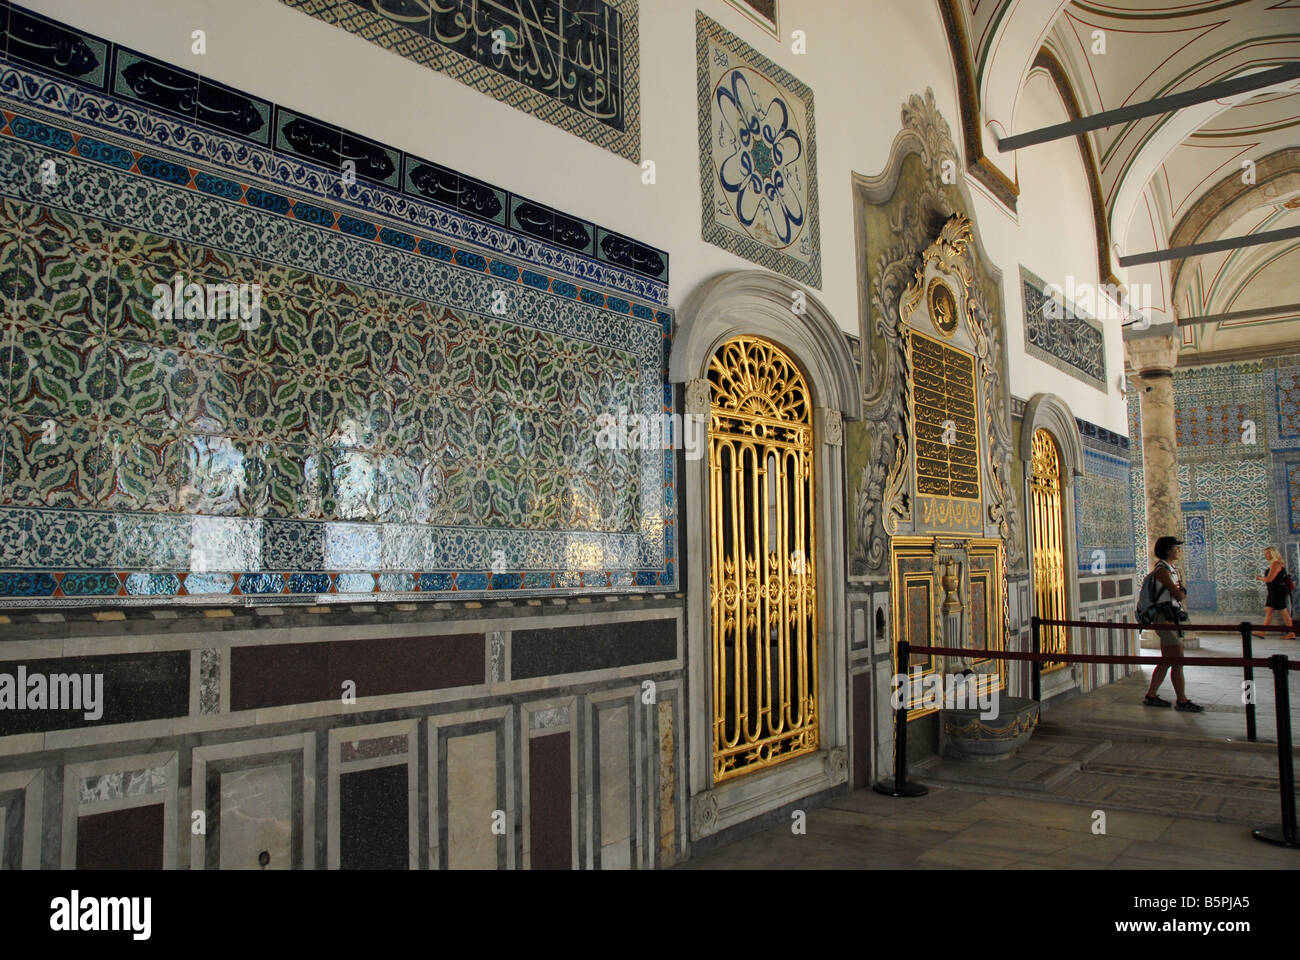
{"x":1286,"y":835}
{"x":1094,"y":657}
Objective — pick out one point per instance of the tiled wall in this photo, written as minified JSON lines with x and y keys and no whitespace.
{"x":1238,"y":447}
{"x":412,"y":410}
{"x":1100,"y":493}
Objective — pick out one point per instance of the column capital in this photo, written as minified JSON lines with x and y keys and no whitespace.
{"x":1151,"y":354}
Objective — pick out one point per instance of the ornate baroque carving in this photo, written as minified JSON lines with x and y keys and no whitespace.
{"x":896,"y":288}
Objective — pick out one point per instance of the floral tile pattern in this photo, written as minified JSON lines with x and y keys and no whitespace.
{"x":396,"y":417}
{"x":758,"y":156}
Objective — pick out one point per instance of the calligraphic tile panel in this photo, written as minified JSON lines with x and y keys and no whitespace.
{"x":571,"y":63}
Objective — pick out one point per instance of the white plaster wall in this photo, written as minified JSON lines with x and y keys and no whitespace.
{"x":864,"y":59}
{"x":1052,"y":234}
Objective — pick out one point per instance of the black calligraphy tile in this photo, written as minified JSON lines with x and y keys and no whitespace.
{"x":574,"y":234}
{"x":432,"y":181}
{"x":451,"y":24}
{"x":497,"y":42}
{"x":373,"y":161}
{"x":307,"y":138}
{"x":43,"y":43}
{"x":224,"y":108}
{"x":540,"y":56}
{"x":533,"y":219}
{"x":155,"y":84}
{"x":481,"y":200}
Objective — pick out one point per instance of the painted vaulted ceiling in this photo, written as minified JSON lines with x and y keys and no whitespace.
{"x":1207,"y":172}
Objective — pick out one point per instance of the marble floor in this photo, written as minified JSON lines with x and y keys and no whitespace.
{"x":1178,"y":791}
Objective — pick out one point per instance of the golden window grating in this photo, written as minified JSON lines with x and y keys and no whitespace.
{"x":762,"y":573}
{"x":1049,"y":545}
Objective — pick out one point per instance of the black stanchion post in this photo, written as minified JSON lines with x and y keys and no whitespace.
{"x":899,"y":787}
{"x":1035,"y":647}
{"x":1249,"y":676}
{"x":1284,"y":836}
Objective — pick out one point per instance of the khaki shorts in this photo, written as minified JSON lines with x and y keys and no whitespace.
{"x":1169,"y":638}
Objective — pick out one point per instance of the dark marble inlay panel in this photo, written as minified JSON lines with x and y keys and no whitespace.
{"x":130,"y":839}
{"x":274,"y":675}
{"x":373,"y":819}
{"x":550,"y":790}
{"x":136,"y":686}
{"x":540,"y":653}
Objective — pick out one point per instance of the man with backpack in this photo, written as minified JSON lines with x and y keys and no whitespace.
{"x":1161,"y":601}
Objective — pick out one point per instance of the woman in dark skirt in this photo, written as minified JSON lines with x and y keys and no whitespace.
{"x":1279,"y":597}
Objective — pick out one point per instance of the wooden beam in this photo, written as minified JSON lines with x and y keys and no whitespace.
{"x":1136,"y":111}
{"x":1213,"y":246}
{"x":1240,"y":315}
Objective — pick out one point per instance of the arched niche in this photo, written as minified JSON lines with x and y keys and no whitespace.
{"x":755,"y":303}
{"x":1047,"y":411}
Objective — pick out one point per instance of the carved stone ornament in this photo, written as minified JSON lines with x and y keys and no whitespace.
{"x":704,"y":814}
{"x":699,"y":396}
{"x":837,"y":765}
{"x":833,"y":428}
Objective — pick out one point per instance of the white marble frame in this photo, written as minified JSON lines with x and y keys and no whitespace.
{"x":1049,"y":412}
{"x":202,"y":756}
{"x":506,"y":734}
{"x":74,"y":809}
{"x":629,"y":697}
{"x":32,"y":783}
{"x":758,"y":303}
{"x":336,"y":768}
{"x":569,"y":726}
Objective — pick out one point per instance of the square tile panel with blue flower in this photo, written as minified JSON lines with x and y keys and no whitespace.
{"x":758,"y":156}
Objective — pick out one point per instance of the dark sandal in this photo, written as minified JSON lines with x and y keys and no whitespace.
{"x":1155,"y":702}
{"x":1190,"y":707}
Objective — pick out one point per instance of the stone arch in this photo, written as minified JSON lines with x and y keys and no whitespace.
{"x":760,"y":303}
{"x":755,"y":303}
{"x":1049,"y":411}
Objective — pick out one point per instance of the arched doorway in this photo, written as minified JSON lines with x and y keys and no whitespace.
{"x":1047,"y":522}
{"x":763,"y":559}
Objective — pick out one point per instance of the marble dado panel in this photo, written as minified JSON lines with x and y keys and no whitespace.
{"x":571,"y":63}
{"x":114,"y":91}
{"x":427,"y":430}
{"x":758,"y":173}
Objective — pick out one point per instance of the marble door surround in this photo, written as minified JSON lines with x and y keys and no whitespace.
{"x":1049,"y":412}
{"x":758,"y":303}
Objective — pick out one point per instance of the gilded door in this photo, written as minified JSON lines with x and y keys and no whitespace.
{"x":762,"y":559}
{"x":1047,"y":523}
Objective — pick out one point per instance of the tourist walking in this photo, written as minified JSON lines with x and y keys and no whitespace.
{"x":1279,"y":585}
{"x":1168,"y":595}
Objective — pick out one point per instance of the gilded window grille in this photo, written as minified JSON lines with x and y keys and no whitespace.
{"x":1049,"y":545}
{"x":762,"y":573}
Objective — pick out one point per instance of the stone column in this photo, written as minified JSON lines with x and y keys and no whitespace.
{"x":1151,"y":362}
